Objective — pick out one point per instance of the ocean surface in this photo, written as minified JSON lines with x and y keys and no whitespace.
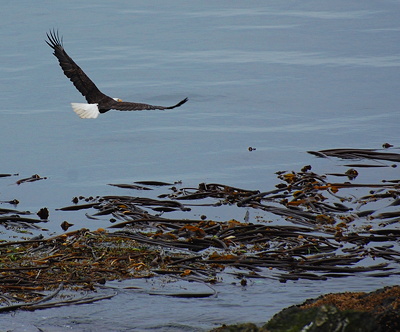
{"x":284,"y":77}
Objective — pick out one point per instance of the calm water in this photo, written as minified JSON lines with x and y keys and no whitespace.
{"x":284,"y":77}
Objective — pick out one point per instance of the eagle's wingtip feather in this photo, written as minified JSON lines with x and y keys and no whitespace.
{"x":179,"y":104}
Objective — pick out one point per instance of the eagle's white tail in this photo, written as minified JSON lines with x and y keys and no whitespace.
{"x":86,"y":111}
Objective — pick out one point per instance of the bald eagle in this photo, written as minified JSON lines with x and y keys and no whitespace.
{"x":98,"y":102}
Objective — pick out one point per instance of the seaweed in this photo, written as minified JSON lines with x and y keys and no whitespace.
{"x":325,"y":231}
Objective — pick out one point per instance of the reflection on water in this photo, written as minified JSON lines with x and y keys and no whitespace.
{"x":284,"y":78}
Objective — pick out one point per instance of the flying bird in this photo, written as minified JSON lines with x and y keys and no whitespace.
{"x":98,"y":102}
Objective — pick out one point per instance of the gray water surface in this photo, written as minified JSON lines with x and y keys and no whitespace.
{"x":284,"y":77}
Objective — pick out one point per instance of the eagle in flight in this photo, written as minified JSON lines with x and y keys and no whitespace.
{"x":98,"y":102}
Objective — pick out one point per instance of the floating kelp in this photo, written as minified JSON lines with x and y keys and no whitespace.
{"x":130,"y":186}
{"x":79,"y":207}
{"x":19,"y":219}
{"x":33,"y":178}
{"x":303,"y":197}
{"x":357,"y":154}
{"x":324,"y":231}
{"x":77,"y":260}
{"x":6,"y":175}
{"x":155,"y":183}
{"x":12,"y":202}
{"x":83,"y":259}
{"x":212,"y":190}
{"x":311,"y":251}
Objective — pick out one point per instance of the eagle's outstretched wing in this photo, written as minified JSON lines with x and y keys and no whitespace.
{"x":127,"y":106}
{"x":81,"y":81}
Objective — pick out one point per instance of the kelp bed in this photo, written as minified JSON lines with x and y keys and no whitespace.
{"x":326,"y":229}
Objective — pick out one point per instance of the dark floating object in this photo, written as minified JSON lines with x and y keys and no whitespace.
{"x":251,"y":149}
{"x":357,"y":154}
{"x":5,"y":211}
{"x":350,"y":173}
{"x":129,"y":186}
{"x":33,"y":178}
{"x":187,"y":295}
{"x":78,"y":207}
{"x":154,"y":183}
{"x":365,"y":165}
{"x":5,"y":175}
{"x":98,"y":102}
{"x":43,"y":213}
{"x":65,"y":225}
{"x":12,"y":202}
{"x":24,"y":221}
{"x":387,"y":145}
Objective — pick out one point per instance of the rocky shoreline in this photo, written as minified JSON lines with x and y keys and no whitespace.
{"x":377,"y":311}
